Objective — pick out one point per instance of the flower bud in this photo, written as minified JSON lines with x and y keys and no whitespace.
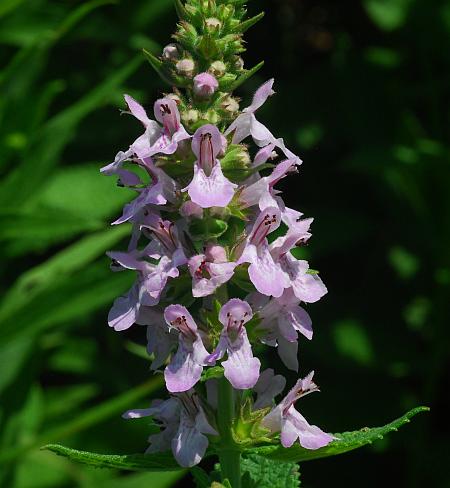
{"x":191,"y":209}
{"x":190,"y":117}
{"x":229,"y":105}
{"x":238,"y":63}
{"x":186,"y":67}
{"x":205,"y":85}
{"x":212,"y":116}
{"x":217,"y":69}
{"x":174,"y":97}
{"x":171,"y":53}
{"x":213,"y":24}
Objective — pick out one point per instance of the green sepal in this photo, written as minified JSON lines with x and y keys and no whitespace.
{"x":164,"y":74}
{"x":242,"y":280}
{"x":246,"y":75}
{"x":131,"y":462}
{"x":247,"y":428}
{"x":244,"y":26}
{"x":207,"y":47}
{"x":181,"y":11}
{"x":207,"y":228}
{"x":236,"y":226}
{"x":345,"y":442}
{"x":212,"y":373}
{"x":226,"y":81}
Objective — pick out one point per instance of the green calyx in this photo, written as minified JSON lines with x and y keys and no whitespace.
{"x":209,"y":38}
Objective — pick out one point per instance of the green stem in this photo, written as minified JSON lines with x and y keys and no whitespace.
{"x":229,"y":453}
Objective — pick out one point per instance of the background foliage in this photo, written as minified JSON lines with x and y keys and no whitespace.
{"x":362,"y":95}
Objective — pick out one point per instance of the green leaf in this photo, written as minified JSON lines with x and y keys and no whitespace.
{"x":245,"y":76}
{"x":130,"y":462}
{"x":75,"y":257}
{"x":265,"y":473}
{"x":88,"y":418}
{"x":345,"y":442}
{"x":210,"y":373}
{"x":207,"y":228}
{"x":201,"y":478}
{"x":244,"y":26}
{"x":388,"y":14}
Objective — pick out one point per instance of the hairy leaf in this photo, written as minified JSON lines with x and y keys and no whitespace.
{"x":347,"y":441}
{"x":265,"y":473}
{"x":131,"y":462}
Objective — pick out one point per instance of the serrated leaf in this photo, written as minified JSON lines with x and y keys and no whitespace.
{"x":345,"y":442}
{"x":131,"y":462}
{"x":265,"y":473}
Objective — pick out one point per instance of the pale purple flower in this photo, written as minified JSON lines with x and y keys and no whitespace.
{"x":282,"y":320}
{"x":262,"y":192}
{"x":269,"y":385}
{"x":189,"y":209}
{"x":147,"y":290}
{"x":286,"y":419}
{"x":186,"y":365}
{"x":160,"y":339}
{"x":183,"y":425}
{"x":205,"y":84}
{"x":210,"y":270}
{"x":246,"y":123}
{"x":190,"y":442}
{"x":307,"y":287}
{"x":241,"y":368}
{"x":264,"y":272}
{"x":157,"y":139}
{"x":209,"y":187}
{"x":161,"y":189}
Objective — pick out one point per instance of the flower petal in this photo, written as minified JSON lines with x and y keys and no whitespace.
{"x":210,"y":191}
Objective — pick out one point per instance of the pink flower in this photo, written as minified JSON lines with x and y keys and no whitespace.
{"x":186,"y":366}
{"x":205,"y":85}
{"x":264,"y":272}
{"x":241,"y":368}
{"x":209,"y":271}
{"x":209,"y":187}
{"x":286,"y":419}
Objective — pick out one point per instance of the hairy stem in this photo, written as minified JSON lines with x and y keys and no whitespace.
{"x":229,"y":453}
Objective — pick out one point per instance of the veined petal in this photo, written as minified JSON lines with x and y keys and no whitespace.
{"x":137,"y":110}
{"x":241,"y":368}
{"x":261,"y":95}
{"x":183,"y":372}
{"x":267,"y":388}
{"x":310,"y":436}
{"x":125,"y":309}
{"x":189,"y":445}
{"x":267,"y":276}
{"x":210,"y":191}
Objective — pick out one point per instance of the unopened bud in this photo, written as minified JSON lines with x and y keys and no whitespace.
{"x":217,"y":69}
{"x":174,"y":97}
{"x":190,"y":116}
{"x":205,"y":85}
{"x":213,"y":24}
{"x":171,"y":53}
{"x":186,"y":67}
{"x":238,"y":63}
{"x":212,"y":116}
{"x":229,"y":105}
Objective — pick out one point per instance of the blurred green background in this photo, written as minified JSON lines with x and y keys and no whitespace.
{"x":362,"y":97}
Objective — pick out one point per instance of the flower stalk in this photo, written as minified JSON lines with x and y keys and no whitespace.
{"x":229,"y":451}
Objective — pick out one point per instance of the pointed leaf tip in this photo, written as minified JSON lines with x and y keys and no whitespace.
{"x":246,"y":75}
{"x":347,"y":441}
{"x":246,"y":24}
